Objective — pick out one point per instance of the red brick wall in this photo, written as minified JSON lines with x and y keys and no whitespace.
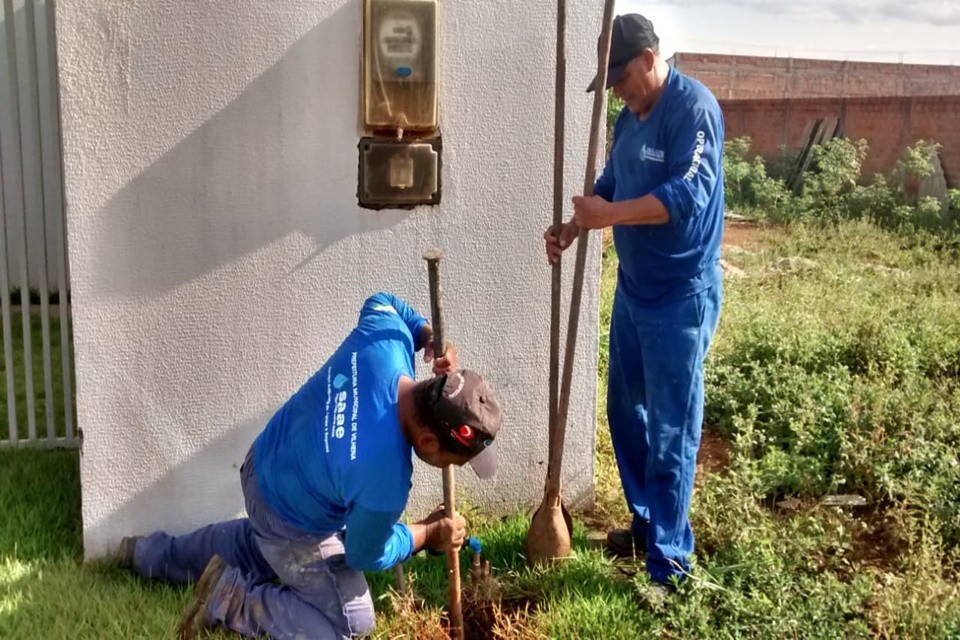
{"x":742,"y":77}
{"x":889,"y":125}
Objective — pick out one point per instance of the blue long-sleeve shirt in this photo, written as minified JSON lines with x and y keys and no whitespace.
{"x":334,"y":454}
{"x":675,"y":154}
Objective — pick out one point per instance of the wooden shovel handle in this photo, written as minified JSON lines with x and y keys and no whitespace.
{"x":576,"y":295}
{"x":555,"y":283}
{"x":433,"y":257}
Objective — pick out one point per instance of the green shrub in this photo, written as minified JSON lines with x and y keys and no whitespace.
{"x":834,"y":189}
{"x":845,"y":379}
{"x":747,"y":186}
{"x":835,"y":172}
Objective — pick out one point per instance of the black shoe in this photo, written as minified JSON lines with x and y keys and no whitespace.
{"x":195,"y":615}
{"x":655,"y":595}
{"x":124,"y":553}
{"x":625,"y":543}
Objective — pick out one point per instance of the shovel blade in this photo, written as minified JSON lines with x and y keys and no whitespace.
{"x":548,"y":539}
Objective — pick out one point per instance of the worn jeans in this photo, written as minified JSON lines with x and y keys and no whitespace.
{"x":655,"y":410}
{"x":280,"y":581}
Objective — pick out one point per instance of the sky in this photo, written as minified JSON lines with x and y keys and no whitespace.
{"x":909,"y":31}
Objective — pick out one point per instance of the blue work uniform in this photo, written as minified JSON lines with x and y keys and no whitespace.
{"x":665,"y":310}
{"x":324,"y":484}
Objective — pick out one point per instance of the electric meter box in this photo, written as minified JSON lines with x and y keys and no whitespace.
{"x":399,"y":174}
{"x":400,"y":65}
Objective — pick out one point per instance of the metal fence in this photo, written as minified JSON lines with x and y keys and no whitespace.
{"x":37,"y":401}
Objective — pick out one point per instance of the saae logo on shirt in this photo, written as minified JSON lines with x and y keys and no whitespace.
{"x":337,"y":421}
{"x":338,"y":416}
{"x":654,"y":155}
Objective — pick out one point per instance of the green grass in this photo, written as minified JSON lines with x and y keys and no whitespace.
{"x":45,"y":592}
{"x":837,"y":378}
{"x":842,"y":379}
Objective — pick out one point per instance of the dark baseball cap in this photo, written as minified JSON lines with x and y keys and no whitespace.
{"x":630,"y":34}
{"x":467,"y":419}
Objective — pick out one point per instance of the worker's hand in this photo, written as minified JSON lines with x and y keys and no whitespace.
{"x":436,"y":515}
{"x":556,"y":244}
{"x":437,"y":533}
{"x":592,"y":212}
{"x":443,"y":364}
{"x":445,"y":534}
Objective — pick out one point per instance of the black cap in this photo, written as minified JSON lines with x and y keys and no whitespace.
{"x":467,"y":419}
{"x":630,"y":34}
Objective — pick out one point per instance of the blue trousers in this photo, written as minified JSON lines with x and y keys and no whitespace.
{"x":655,"y":410}
{"x":279,"y":581}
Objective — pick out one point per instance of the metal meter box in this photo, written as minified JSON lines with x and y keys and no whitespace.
{"x":400,"y":67}
{"x":399,"y":174}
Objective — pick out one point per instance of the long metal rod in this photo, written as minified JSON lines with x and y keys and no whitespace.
{"x":433,"y":257}
{"x":556,"y":279}
{"x":576,"y":295}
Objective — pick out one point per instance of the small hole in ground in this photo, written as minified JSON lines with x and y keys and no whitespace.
{"x":506,"y":618}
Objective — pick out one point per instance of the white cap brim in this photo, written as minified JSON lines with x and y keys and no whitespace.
{"x":486,"y":462}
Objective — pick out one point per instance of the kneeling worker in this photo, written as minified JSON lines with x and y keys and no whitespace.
{"x":325,"y":484}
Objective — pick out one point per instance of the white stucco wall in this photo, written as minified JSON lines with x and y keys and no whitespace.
{"x":218,"y":254}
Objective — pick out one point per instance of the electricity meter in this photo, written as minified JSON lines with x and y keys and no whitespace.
{"x":400,"y":69}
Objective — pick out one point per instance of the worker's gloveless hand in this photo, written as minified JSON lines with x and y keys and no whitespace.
{"x":444,"y":364}
{"x":447,"y":533}
{"x":592,"y":212}
{"x":557,"y":244}
{"x":435,"y":516}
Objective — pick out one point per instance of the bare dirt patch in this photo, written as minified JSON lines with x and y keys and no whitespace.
{"x":488,"y":613}
{"x":714,"y":454}
{"x":877,"y":543}
{"x":498,"y":620}
{"x":749,"y":236}
{"x":737,"y":234}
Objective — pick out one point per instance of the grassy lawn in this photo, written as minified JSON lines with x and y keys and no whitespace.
{"x":835,"y":371}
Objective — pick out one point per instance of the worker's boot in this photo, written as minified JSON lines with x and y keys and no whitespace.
{"x":626,"y":544}
{"x":655,"y":595}
{"x":195,"y":615}
{"x":124,"y":552}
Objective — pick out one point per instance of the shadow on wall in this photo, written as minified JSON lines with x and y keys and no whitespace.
{"x":202,"y":489}
{"x":280,"y":159}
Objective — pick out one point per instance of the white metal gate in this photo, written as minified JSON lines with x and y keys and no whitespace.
{"x":37,"y":400}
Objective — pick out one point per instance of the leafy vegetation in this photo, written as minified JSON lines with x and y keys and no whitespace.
{"x":834,"y":189}
{"x":835,"y":371}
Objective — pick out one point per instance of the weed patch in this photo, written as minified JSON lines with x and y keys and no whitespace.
{"x":839,"y":378}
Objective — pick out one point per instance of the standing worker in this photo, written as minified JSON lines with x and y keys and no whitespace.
{"x":662,"y":192}
{"x":325,"y":484}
